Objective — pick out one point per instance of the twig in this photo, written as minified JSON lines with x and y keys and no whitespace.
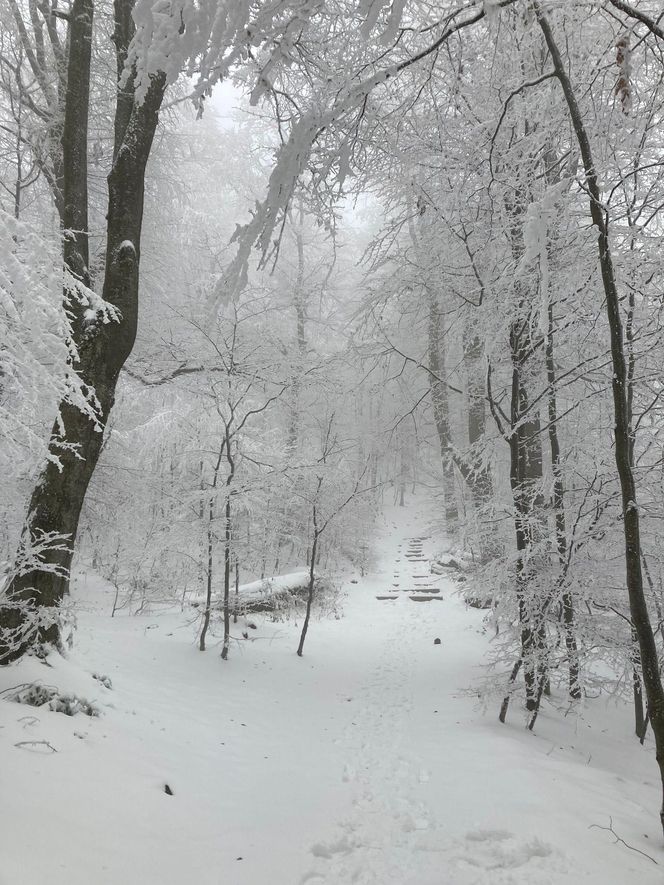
{"x":610,"y":829}
{"x":36,"y":744}
{"x":14,"y":688}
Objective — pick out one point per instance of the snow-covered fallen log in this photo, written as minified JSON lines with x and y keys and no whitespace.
{"x":267,"y":594}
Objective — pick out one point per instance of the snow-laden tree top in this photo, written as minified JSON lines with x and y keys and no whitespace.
{"x":206,"y":39}
{"x":336,"y":53}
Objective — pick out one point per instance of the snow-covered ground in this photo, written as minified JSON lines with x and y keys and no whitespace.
{"x":366,"y":761}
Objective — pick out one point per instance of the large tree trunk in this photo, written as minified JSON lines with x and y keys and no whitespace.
{"x":622,"y":430}
{"x":76,"y":441}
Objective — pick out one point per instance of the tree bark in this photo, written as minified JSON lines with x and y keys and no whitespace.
{"x":30,"y":619}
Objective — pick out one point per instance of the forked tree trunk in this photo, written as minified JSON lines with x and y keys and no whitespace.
{"x":622,"y":431}
{"x":30,"y":618}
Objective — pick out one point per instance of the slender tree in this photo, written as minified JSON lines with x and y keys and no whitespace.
{"x":622,"y":431}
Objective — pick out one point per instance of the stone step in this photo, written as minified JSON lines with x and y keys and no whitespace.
{"x":426,"y":598}
{"x":386,"y":597}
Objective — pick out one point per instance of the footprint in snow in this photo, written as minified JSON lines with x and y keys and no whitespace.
{"x":499,"y":853}
{"x":488,"y":835}
{"x":328,"y":850}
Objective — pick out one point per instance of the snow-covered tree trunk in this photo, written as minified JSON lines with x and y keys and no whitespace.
{"x":56,"y":502}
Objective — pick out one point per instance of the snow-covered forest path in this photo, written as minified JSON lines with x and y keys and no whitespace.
{"x":418,"y":783}
{"x":367,"y":761}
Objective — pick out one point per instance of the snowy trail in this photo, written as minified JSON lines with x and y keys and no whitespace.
{"x":377,"y":838}
{"x":367,"y":762}
{"x":392,"y":834}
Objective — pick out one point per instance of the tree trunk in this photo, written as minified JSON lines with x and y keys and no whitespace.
{"x":441,"y":411}
{"x":237,"y":590}
{"x":526,"y":473}
{"x":312,"y":583}
{"x":476,"y":474}
{"x":228,"y":537}
{"x":567,"y":601}
{"x":637,"y":690}
{"x":622,"y":431}
{"x":210,"y":543}
{"x":208,"y":583}
{"x":55,"y":506}
{"x":525,"y":480}
{"x":227,"y":577}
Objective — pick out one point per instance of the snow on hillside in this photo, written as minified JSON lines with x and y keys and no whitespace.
{"x":367,"y":761}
